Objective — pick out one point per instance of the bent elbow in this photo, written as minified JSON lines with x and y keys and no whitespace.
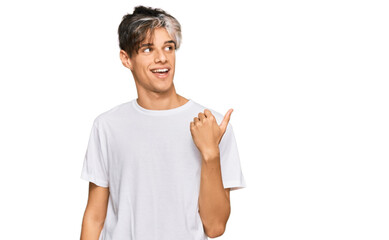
{"x":216,"y":232}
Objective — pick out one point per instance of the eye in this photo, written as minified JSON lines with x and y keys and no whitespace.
{"x":169,"y":47}
{"x":145,"y":50}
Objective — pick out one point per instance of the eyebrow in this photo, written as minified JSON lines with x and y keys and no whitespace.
{"x":150,"y":44}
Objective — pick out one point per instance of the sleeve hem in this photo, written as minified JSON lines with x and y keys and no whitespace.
{"x":234,"y":185}
{"x":98,"y":182}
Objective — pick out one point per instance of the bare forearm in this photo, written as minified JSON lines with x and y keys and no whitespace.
{"x":213,"y":203}
{"x":91,"y":229}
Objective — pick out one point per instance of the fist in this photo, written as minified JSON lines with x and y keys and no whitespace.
{"x":206,"y":132}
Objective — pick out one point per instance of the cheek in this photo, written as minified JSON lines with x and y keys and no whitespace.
{"x":142,"y":69}
{"x":172,"y":59}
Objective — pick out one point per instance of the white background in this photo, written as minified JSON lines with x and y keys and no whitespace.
{"x":308,"y":82}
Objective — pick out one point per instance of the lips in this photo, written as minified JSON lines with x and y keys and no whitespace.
{"x":161,"y":72}
{"x":160,"y":68}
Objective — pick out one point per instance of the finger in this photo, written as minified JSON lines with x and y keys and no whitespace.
{"x":207,"y":113}
{"x":226,"y":119}
{"x":195,"y":119}
{"x":201,"y":116}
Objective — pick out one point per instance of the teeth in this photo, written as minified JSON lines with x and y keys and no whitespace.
{"x":160,"y":70}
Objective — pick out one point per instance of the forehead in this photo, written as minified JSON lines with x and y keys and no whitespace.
{"x":157,"y":35}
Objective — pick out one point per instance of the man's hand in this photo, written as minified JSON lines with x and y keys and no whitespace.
{"x":206,"y":133}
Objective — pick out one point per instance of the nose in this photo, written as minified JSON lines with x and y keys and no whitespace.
{"x":159,"y":56}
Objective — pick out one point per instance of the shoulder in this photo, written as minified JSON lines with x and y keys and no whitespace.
{"x":112,"y":114}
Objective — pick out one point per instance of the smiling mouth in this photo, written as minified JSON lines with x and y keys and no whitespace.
{"x":161,"y":72}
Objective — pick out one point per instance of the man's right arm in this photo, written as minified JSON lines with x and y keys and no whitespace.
{"x":95,"y":212}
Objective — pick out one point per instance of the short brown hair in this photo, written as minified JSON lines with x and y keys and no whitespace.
{"x":136,"y":26}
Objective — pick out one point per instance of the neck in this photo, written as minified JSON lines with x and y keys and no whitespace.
{"x":158,"y":102}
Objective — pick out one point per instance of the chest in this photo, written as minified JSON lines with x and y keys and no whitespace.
{"x":162,"y":150}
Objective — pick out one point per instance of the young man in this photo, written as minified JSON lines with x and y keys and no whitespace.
{"x":161,"y":166}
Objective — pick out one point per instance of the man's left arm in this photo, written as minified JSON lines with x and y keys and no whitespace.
{"x":214,"y":200}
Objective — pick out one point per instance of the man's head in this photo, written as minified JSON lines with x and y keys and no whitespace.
{"x":135,"y":27}
{"x":148,"y":39}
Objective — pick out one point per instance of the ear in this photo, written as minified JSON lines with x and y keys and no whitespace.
{"x":126,"y":61}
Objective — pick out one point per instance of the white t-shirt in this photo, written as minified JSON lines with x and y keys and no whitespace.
{"x":152,"y":167}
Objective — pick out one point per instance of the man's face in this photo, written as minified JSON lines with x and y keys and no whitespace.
{"x":156,"y":55}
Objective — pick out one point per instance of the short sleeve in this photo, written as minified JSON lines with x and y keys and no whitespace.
{"x":232,"y":175}
{"x":95,"y":165}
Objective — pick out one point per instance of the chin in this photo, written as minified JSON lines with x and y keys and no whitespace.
{"x":164,"y":86}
